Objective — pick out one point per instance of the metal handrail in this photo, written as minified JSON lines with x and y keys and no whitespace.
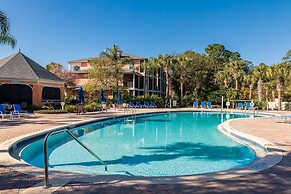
{"x":46,"y":157}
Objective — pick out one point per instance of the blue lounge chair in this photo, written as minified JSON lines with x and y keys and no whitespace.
{"x":131,"y":105}
{"x":209,"y":105}
{"x":138,"y":105}
{"x":153,"y":104}
{"x":3,"y":112}
{"x":146,"y":104}
{"x":239,"y":105}
{"x":248,"y":106}
{"x":195,"y":104}
{"x":18,"y":110}
{"x":203,"y":104}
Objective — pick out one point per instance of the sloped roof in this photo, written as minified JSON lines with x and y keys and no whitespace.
{"x":20,"y":67}
{"x":90,"y":58}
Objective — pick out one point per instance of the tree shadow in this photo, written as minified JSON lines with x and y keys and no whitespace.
{"x":193,"y":151}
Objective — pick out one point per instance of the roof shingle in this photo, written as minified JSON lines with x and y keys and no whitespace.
{"x":20,"y":67}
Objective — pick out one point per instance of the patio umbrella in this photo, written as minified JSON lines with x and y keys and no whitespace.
{"x":80,"y":97}
{"x":102,"y":96}
{"x":119,"y":97}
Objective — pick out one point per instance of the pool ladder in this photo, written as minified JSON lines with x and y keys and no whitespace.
{"x":46,"y":157}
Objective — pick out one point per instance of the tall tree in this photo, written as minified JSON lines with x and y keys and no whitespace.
{"x":115,"y":54}
{"x":283,"y":74}
{"x":260,"y":74}
{"x":166,"y":62}
{"x":102,"y":74}
{"x":5,"y":36}
{"x":287,"y":57}
{"x":182,"y":67}
{"x":237,"y":69}
{"x":67,"y":76}
{"x":218,"y":55}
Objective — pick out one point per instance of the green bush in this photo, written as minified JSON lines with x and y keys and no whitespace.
{"x":50,"y":111}
{"x":70,"y":108}
{"x":287,"y":106}
{"x":92,"y":106}
{"x":32,"y":108}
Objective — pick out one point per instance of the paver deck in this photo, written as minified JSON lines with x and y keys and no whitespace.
{"x":274,"y":180}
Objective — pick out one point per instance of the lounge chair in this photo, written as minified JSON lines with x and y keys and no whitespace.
{"x":131,"y":105}
{"x":153,"y":104}
{"x":3,"y":112}
{"x":203,"y":104}
{"x":146,"y":104}
{"x":239,"y":105}
{"x":248,"y":106}
{"x":209,"y":105}
{"x":138,"y":105}
{"x":18,"y":110}
{"x":104,"y":107}
{"x":195,"y":104}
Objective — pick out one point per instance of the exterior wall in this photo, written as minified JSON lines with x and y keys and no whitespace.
{"x":133,"y":77}
{"x":36,"y":89}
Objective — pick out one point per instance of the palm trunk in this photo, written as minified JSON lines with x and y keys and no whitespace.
{"x":236,"y":84}
{"x":260,"y":88}
{"x":226,"y":83}
{"x":167,"y":82}
{"x":267,"y":95}
{"x":273,"y":95}
{"x":182,"y":92}
{"x":251,"y":92}
{"x":279,"y":99}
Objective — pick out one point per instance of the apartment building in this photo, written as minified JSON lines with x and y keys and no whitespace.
{"x":135,"y":80}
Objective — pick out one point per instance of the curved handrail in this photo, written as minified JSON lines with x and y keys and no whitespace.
{"x":46,"y":157}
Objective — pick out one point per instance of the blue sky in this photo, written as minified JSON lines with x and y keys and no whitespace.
{"x":63,"y":30}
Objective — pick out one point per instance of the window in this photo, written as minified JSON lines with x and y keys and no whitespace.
{"x":50,"y":93}
{"x":130,"y":65}
{"x":76,"y":68}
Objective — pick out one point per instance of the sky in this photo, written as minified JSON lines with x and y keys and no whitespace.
{"x":63,"y":30}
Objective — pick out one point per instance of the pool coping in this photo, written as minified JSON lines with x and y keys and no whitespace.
{"x":58,"y":178}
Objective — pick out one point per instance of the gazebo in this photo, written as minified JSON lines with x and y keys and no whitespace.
{"x":25,"y":82}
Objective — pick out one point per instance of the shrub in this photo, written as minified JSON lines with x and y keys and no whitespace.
{"x":287,"y":106}
{"x":32,"y":108}
{"x":70,"y":108}
{"x":91,"y":106}
{"x":50,"y":111}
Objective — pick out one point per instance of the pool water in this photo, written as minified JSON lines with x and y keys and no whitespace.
{"x":165,"y":144}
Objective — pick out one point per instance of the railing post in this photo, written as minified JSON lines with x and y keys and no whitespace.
{"x":46,"y":156}
{"x":45,"y":151}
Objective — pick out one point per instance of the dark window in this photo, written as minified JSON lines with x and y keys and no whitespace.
{"x":150,"y":83}
{"x":136,"y":81}
{"x":15,"y":94}
{"x":49,"y":93}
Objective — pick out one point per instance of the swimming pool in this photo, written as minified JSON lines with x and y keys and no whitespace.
{"x":164,"y":144}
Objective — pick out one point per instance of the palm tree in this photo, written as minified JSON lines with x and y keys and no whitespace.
{"x":237,"y":70}
{"x":166,"y":62}
{"x":283,"y":73}
{"x":5,"y":36}
{"x":250,"y":81}
{"x":287,"y":58}
{"x":259,"y":74}
{"x":183,"y":67}
{"x":115,"y":54}
{"x":271,"y":77}
{"x":148,"y":66}
{"x":223,"y":77}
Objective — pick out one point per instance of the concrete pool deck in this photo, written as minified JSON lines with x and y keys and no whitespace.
{"x":277,"y":177}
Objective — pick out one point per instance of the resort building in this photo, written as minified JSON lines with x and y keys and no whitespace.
{"x":135,"y":80}
{"x":25,"y":82}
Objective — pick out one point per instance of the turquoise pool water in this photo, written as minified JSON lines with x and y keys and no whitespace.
{"x":165,"y":144}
